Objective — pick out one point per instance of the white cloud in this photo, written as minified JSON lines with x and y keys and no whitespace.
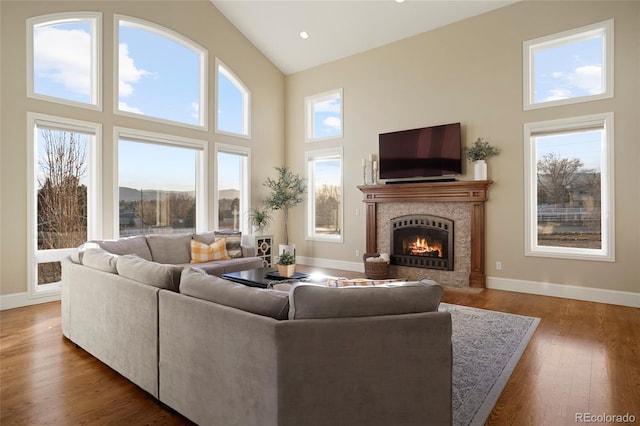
{"x":331,"y":105}
{"x":588,"y":78}
{"x":585,"y":80}
{"x":122,"y":106}
{"x":64,"y":57}
{"x":332,"y":122}
{"x":128,"y":73}
{"x":195,"y":111}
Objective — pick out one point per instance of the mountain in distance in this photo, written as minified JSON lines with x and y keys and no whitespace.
{"x":131,"y":194}
{"x":228,"y":194}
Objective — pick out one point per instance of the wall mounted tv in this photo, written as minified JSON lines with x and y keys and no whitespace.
{"x":427,"y":152}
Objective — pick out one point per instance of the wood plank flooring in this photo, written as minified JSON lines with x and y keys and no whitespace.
{"x":583,"y":358}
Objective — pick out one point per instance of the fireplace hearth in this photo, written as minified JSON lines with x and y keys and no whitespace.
{"x":422,"y":241}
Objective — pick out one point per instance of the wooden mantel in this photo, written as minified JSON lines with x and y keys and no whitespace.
{"x":474,"y":192}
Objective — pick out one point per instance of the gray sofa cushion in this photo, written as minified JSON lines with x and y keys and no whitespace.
{"x":270,"y":303}
{"x":131,"y":245}
{"x":100,"y":259}
{"x":171,"y":248}
{"x":148,"y":272}
{"x":316,"y":301}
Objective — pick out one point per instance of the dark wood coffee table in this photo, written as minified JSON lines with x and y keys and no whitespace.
{"x":262,"y":277}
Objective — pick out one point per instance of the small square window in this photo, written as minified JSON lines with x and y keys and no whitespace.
{"x":324,"y":116}
{"x":569,"y":67}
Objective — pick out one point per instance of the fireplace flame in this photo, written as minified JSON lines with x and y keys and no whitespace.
{"x":420,"y":247}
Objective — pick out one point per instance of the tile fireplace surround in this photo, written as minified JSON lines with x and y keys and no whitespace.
{"x":461,"y":201}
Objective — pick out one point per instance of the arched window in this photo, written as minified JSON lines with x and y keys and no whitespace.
{"x":64,"y":58}
{"x":233,"y":102}
{"x":161,"y":74}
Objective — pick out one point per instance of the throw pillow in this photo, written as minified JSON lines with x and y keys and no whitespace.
{"x":233,"y":241}
{"x":201,"y":252}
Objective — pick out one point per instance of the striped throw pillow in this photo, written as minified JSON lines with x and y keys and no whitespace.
{"x":201,"y":252}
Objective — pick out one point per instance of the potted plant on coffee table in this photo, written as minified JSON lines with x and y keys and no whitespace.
{"x":286,"y":264}
{"x":286,"y":192}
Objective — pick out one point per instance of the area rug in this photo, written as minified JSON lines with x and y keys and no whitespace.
{"x":486,"y":348}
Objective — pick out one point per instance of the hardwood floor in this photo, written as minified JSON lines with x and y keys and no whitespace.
{"x":583,"y":358}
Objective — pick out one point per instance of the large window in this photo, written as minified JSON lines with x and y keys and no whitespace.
{"x":161,"y":183}
{"x":569,"y":188}
{"x":324,"y":116}
{"x":64,"y":58}
{"x":569,"y":67}
{"x":160,"y":74}
{"x":233,"y":102}
{"x":324,"y":203}
{"x":232,"y":187}
{"x":64,"y":203}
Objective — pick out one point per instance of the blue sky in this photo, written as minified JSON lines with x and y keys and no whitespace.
{"x":157,"y":76}
{"x":586,"y":146}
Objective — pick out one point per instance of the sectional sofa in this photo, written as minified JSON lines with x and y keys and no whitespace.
{"x":221,"y":353}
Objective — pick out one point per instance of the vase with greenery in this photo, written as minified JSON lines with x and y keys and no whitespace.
{"x":286,"y":192}
{"x":259,"y":218}
{"x":478,"y":153}
{"x":286,"y":264}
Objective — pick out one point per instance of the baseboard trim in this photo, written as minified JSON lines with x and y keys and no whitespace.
{"x":19,"y":300}
{"x":589,"y":294}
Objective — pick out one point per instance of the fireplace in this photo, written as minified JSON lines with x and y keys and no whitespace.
{"x":422,"y":241}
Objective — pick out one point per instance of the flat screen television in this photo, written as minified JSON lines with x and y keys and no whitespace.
{"x":427,"y":152}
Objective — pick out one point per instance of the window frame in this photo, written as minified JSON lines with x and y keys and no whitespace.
{"x":530,"y":47}
{"x":310,"y":122}
{"x":178,"y":38}
{"x":202,"y":171}
{"x":221,"y":67}
{"x":310,"y":157}
{"x":567,"y":125}
{"x":245,"y":184}
{"x":95,"y":18}
{"x":35,"y":256}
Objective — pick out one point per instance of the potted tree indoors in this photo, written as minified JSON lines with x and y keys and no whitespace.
{"x":286,"y":192}
{"x":478,"y":153}
{"x":286,"y":264}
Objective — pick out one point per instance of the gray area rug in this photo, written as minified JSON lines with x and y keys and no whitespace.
{"x":486,"y":348}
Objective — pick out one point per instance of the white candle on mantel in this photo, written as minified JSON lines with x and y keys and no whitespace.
{"x":375,"y":164}
{"x":364,"y":162}
{"x":370,"y":157}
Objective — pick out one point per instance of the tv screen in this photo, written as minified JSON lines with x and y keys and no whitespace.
{"x":421,"y":153}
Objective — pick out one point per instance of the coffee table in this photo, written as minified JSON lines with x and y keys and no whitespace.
{"x":262,"y":277}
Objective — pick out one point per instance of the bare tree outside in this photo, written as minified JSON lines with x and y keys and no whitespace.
{"x":569,"y":203}
{"x":327,"y":203}
{"x":62,"y":198}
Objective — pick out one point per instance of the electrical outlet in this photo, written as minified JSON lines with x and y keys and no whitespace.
{"x":498,"y":266}
{"x":357,"y":212}
{"x":357,"y":253}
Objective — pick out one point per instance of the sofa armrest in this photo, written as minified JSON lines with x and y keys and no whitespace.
{"x":248,"y":251}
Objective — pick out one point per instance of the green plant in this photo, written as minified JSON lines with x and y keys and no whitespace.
{"x":480,"y":150}
{"x":286,"y":192}
{"x":286,"y":258}
{"x":259,"y":218}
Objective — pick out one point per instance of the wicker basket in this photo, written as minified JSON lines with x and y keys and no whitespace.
{"x":375,"y":270}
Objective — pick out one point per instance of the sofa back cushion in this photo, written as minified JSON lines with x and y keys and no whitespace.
{"x":308,"y":301}
{"x":270,"y":303}
{"x":148,"y":272}
{"x":100,"y":259}
{"x":170,"y":248}
{"x":131,"y":245}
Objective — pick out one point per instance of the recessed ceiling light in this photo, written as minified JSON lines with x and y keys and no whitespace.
{"x":304,"y":35}
{"x":399,"y":1}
